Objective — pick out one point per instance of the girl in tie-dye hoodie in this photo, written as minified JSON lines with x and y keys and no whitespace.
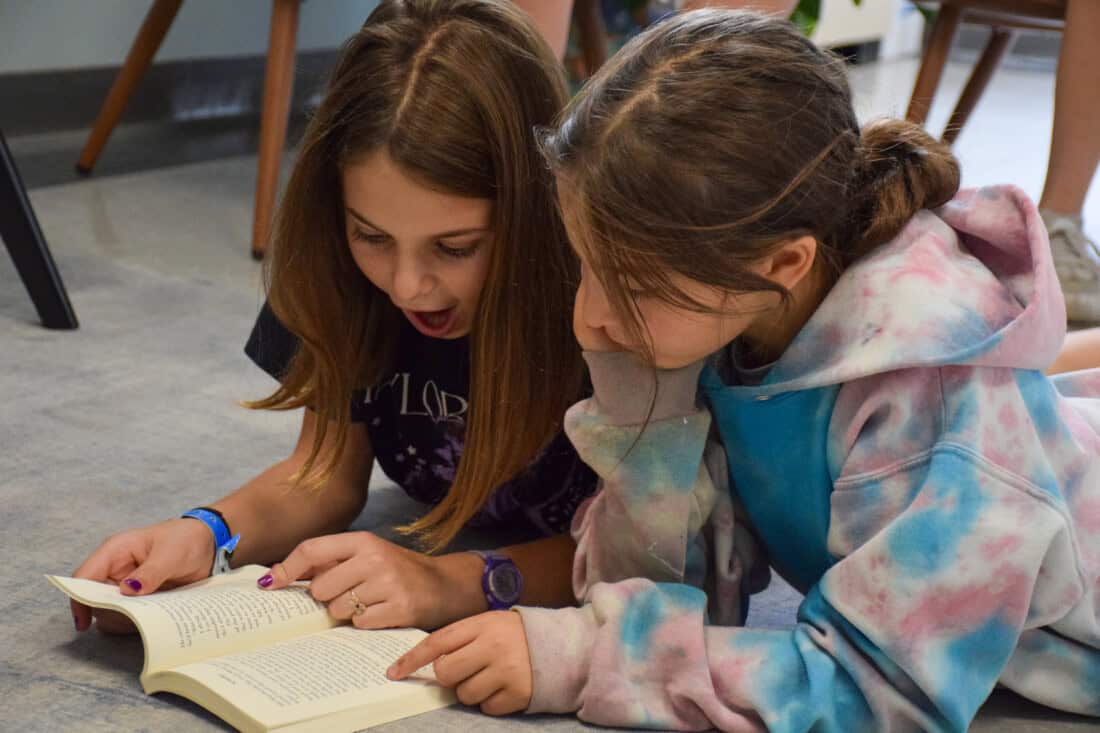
{"x":877,"y":345}
{"x":878,"y":390}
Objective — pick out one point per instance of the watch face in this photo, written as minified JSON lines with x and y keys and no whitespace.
{"x":504,"y":581}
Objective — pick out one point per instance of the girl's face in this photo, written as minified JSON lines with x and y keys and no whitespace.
{"x":427,"y":250}
{"x":677,"y":336}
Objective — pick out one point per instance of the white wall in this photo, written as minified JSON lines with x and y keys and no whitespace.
{"x":842,"y":22}
{"x":41,"y":35}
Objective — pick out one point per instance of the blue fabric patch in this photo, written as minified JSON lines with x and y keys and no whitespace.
{"x":647,"y":610}
{"x":777,"y":451}
{"x":926,"y":540}
{"x":970,"y":668}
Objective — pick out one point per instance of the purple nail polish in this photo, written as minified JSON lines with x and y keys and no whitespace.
{"x":76,"y":622}
{"x":134,"y":583}
{"x":265,"y":581}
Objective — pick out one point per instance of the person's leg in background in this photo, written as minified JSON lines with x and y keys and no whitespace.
{"x":1074,"y":153}
{"x":774,"y":7}
{"x":1080,"y":351}
{"x":553,"y":18}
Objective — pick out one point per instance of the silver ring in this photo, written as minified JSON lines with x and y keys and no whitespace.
{"x":358,"y":608}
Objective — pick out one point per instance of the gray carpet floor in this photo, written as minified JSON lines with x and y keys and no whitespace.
{"x":133,"y":418}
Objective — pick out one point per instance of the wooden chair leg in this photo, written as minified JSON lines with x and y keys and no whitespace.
{"x":931,"y":67}
{"x":24,"y":240}
{"x":156,"y":25}
{"x":278,"y":83}
{"x":991,"y":57}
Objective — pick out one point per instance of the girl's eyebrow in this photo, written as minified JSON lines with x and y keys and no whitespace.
{"x":443,"y":235}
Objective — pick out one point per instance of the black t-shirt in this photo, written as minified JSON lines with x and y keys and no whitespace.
{"x":415,"y":418}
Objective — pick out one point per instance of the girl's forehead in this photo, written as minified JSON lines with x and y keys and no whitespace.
{"x":380,"y":192}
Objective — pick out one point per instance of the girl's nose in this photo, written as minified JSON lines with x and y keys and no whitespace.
{"x":411,"y":280}
{"x":593,"y":302}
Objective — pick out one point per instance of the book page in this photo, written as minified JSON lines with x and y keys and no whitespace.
{"x":317,"y":675}
{"x":220,"y":615}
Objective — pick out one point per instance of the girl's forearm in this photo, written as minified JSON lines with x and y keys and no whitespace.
{"x":272,"y":518}
{"x":546,"y":565}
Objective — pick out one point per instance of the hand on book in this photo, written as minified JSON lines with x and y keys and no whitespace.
{"x":393,"y":587}
{"x":140,"y":561}
{"x":484,"y":658}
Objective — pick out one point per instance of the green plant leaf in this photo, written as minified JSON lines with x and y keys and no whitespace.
{"x":806,"y":14}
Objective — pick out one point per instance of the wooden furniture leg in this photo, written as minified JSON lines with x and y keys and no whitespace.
{"x":991,"y":57}
{"x":931,"y":67}
{"x":157,"y":22}
{"x":278,"y":83}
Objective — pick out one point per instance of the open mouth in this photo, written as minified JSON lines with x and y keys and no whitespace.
{"x":433,"y":323}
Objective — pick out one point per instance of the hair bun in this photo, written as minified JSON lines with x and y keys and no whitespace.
{"x":903,"y":170}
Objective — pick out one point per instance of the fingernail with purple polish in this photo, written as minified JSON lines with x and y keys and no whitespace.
{"x":76,"y":623}
{"x":134,"y":584}
{"x":265,"y":581}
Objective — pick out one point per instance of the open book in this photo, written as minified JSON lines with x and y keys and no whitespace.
{"x":266,"y":660}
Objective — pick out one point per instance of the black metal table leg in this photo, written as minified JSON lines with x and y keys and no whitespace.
{"x":20,"y":232}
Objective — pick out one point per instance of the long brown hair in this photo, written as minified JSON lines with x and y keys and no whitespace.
{"x":716,"y":136}
{"x":451,"y":90}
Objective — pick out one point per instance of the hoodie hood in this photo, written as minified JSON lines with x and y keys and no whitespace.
{"x":971,"y":283}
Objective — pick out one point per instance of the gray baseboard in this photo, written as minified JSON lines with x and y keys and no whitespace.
{"x":176,"y":91}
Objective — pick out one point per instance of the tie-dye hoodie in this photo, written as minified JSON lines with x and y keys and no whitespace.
{"x":905,"y":463}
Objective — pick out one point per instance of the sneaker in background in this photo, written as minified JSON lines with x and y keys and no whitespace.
{"x":1077,"y":262}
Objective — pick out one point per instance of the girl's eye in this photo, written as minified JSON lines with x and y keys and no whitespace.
{"x":458,"y":252}
{"x":373,"y":239}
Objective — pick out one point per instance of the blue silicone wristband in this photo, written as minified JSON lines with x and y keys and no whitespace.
{"x":216,"y":524}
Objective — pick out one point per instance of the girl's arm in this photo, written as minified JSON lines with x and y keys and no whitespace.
{"x":910,"y":632}
{"x":663,"y":509}
{"x":646,"y":516}
{"x":1081,"y":350}
{"x":272,"y":519}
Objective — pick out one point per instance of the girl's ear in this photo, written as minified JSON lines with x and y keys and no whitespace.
{"x":789,"y":265}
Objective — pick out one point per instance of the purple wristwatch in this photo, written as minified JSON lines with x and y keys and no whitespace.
{"x":501,"y":582}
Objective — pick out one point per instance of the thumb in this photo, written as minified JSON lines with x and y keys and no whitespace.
{"x":150,"y":574}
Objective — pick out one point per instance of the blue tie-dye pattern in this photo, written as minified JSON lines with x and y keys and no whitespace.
{"x":800,"y":688}
{"x":1091,"y":678}
{"x":645,"y":612}
{"x":664,"y":459}
{"x":695,"y":566}
{"x":819,"y":613}
{"x":964,"y":411}
{"x":1040,"y":397}
{"x":969,"y":669}
{"x":926,"y":540}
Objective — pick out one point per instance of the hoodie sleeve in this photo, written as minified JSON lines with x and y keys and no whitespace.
{"x":905,"y":634}
{"x":657,"y":514}
{"x":654,"y":492}
{"x":954,"y":562}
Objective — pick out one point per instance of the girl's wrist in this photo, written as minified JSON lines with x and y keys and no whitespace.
{"x":202,"y":540}
{"x":460,"y":594}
